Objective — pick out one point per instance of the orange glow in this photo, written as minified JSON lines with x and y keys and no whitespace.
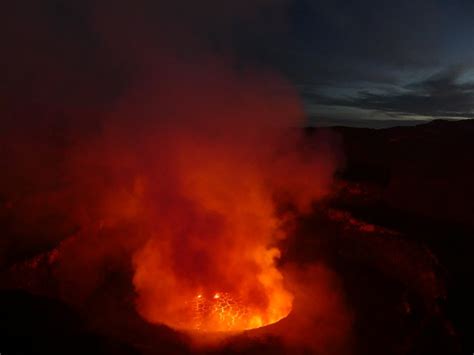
{"x":226,"y":247}
{"x":208,"y":198}
{"x":223,"y":313}
{"x":182,"y":186}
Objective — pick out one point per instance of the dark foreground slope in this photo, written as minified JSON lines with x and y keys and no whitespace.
{"x":419,"y":182}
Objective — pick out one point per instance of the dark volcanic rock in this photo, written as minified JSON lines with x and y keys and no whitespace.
{"x":419,"y":181}
{"x":37,"y":325}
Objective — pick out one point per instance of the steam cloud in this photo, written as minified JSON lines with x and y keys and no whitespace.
{"x":172,"y":172}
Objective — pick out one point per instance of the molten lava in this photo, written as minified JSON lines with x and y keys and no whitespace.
{"x":220,"y":312}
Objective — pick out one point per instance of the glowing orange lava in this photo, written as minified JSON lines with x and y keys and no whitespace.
{"x":220,"y":312}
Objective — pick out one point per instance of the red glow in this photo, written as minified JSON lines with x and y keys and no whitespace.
{"x":183,"y":183}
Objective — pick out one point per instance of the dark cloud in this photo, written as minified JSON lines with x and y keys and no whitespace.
{"x":441,"y":95}
{"x":336,"y":41}
{"x":76,"y":52}
{"x":362,"y":55}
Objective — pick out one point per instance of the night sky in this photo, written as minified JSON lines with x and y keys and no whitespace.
{"x":384,"y":60}
{"x":361,"y":63}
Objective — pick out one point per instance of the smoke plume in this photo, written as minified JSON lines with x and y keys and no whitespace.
{"x":165,"y":159}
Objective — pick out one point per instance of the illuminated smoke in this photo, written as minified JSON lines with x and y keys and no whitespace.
{"x":179,"y":182}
